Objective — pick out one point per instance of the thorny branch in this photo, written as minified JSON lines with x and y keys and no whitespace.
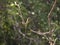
{"x":41,"y":33}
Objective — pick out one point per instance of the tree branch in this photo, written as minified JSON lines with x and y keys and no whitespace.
{"x":49,"y":14}
{"x":43,"y":33}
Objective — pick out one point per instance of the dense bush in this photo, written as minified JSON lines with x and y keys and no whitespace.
{"x":27,"y":22}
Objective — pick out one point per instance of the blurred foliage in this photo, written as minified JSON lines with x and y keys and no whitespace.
{"x":23,"y":15}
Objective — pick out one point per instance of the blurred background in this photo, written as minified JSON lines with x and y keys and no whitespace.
{"x":18,"y":17}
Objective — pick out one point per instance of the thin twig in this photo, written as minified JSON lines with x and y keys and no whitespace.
{"x":40,"y":33}
{"x":20,"y":13}
{"x":49,"y":14}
